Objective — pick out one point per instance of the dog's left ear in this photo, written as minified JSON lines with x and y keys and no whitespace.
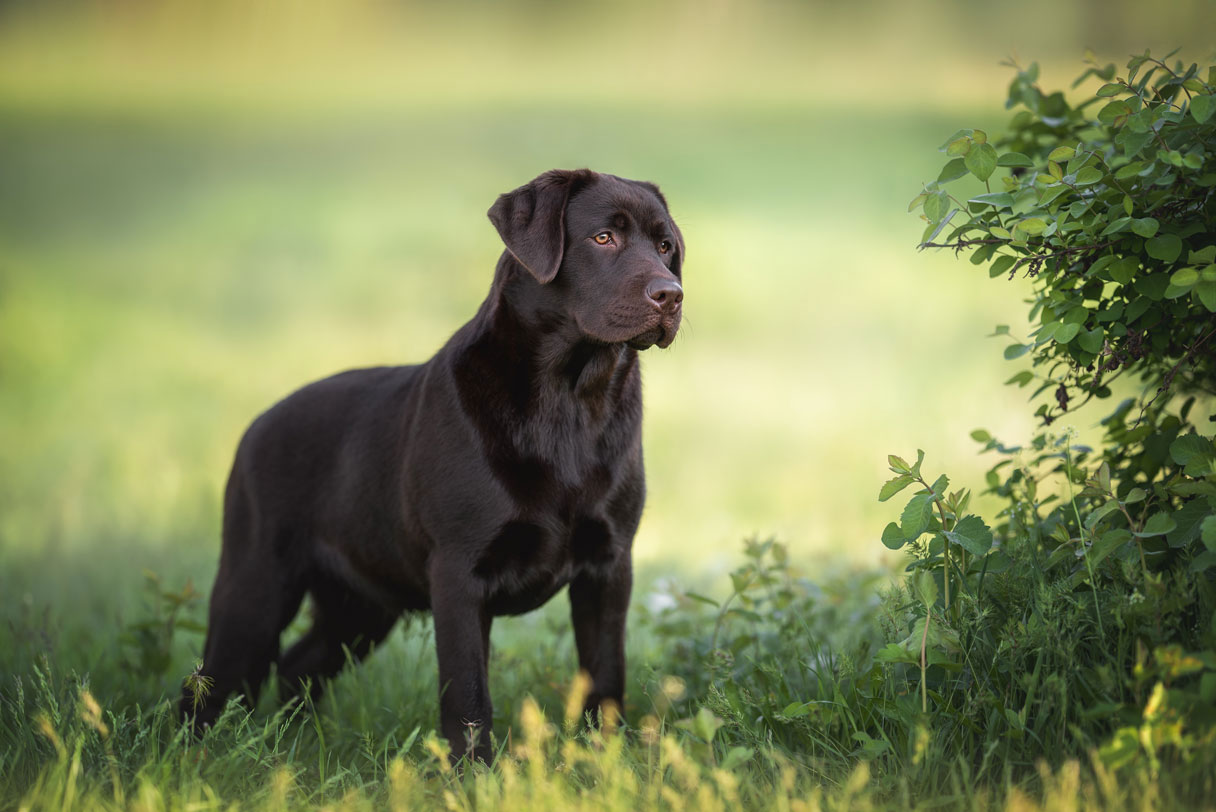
{"x":532,"y":220}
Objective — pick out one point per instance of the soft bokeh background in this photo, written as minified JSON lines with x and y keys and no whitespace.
{"x":206,"y":205}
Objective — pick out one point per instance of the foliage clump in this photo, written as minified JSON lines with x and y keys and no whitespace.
{"x":1089,"y":610}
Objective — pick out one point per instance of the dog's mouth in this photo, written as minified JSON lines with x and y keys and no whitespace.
{"x":647,"y":339}
{"x":661,"y":334}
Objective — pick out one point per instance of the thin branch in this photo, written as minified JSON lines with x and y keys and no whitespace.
{"x":1169,"y":376}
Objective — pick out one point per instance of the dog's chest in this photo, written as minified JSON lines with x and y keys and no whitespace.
{"x":530,"y":560}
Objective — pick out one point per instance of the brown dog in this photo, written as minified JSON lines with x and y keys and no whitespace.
{"x":474,"y":485}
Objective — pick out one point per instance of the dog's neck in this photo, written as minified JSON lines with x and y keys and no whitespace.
{"x":556,"y":352}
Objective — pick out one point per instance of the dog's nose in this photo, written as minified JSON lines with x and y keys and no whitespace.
{"x":666,"y":293}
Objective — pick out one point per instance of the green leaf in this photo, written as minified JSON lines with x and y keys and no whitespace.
{"x":1121,"y":749}
{"x":1172,"y":291}
{"x":893,"y":537}
{"x":940,"y":485}
{"x":1107,"y":508}
{"x":1088,"y":176}
{"x":1145,"y":226}
{"x":895,"y":653}
{"x":1203,"y":256}
{"x":953,"y":170}
{"x":738,"y":756}
{"x":1066,"y":332}
{"x":1122,"y":270}
{"x":1061,"y":154}
{"x":1129,"y":171}
{"x":1110,"y":541}
{"x":1014,"y":159}
{"x":959,"y":146}
{"x":1002,"y":200}
{"x":926,"y":587}
{"x":935,"y":206}
{"x":971,"y":534}
{"x":898,"y":464}
{"x":980,"y":435}
{"x":1191,"y":448}
{"x":1133,"y":142}
{"x":1206,"y":291}
{"x":894,"y":486}
{"x":1184,"y":277}
{"x":1113,"y":112}
{"x":702,"y":599}
{"x":1092,"y":340}
{"x":1000,"y":265}
{"x":1207,"y":532}
{"x":1022,"y":378}
{"x":915,"y":518}
{"x":1202,"y":563}
{"x":1031,"y":225}
{"x":981,"y":160}
{"x":1116,"y":226}
{"x":1201,"y":108}
{"x":1016,"y":351}
{"x":1165,"y":247}
{"x":1110,"y":89}
{"x":1157,"y":525}
{"x":794,"y":710}
{"x":946,"y":144}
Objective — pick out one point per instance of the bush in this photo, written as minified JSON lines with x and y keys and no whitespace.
{"x":1086,"y":616}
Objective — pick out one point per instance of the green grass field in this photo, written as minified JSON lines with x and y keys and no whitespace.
{"x":197,"y":218}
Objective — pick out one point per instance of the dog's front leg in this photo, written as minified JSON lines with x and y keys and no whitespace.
{"x":599,"y":601}
{"x":461,"y":639}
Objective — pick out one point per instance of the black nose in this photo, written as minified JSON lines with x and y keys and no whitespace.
{"x":666,"y":293}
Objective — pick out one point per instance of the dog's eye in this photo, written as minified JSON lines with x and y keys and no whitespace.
{"x":665,"y":247}
{"x":604,"y":237}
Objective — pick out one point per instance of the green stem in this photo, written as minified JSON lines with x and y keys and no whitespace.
{"x":924,"y":669}
{"x":1081,"y":534}
{"x":1135,"y":528}
{"x":941,"y":511}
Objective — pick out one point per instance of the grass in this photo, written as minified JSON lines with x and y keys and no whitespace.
{"x":775,"y":709}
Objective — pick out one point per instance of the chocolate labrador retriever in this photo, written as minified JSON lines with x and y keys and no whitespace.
{"x":475,"y":485}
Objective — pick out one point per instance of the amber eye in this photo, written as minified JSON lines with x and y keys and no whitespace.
{"x":665,"y":247}
{"x":603,"y":238}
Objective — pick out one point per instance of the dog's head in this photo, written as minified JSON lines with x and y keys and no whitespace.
{"x":601,"y":252}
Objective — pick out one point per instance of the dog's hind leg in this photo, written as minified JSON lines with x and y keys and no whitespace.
{"x":344,"y":625}
{"x":249,"y":610}
{"x":254,"y":597}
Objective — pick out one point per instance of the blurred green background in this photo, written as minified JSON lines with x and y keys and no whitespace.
{"x":205,"y":205}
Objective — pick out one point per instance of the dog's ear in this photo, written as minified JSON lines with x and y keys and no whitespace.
{"x":532,"y":220}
